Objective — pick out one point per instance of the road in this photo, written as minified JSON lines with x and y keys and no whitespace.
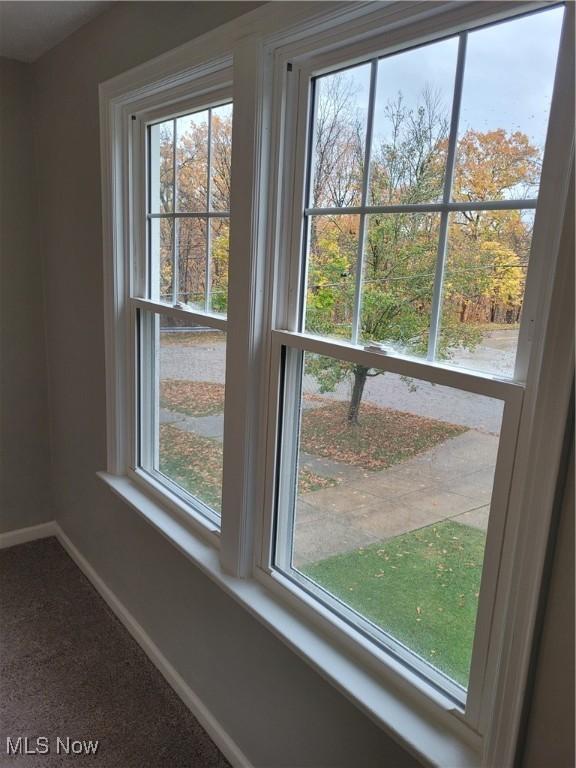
{"x":206,"y":362}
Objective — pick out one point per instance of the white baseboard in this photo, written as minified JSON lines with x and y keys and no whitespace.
{"x":33,"y":532}
{"x":214,"y":729}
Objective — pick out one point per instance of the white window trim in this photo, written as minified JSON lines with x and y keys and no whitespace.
{"x":260,"y":44}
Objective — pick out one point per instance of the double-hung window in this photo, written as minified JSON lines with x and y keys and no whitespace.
{"x":367,"y":451}
{"x":401,"y":357}
{"x":180,"y":299}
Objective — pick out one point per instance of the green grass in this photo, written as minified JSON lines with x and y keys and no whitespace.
{"x":421,"y":587}
{"x":193,"y":462}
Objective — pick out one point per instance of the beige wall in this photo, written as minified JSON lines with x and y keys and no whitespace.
{"x":279,"y":711}
{"x":24,"y":456}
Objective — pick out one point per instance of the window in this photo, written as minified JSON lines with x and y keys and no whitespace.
{"x":420,"y":185}
{"x":182,"y":324}
{"x":338,"y":357}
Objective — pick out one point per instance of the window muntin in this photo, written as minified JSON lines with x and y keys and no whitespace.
{"x":188,"y":201}
{"x":427,"y":152}
{"x":182,"y":347}
{"x":423,"y":244}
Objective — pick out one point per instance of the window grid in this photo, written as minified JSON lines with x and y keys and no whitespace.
{"x":206,"y":215}
{"x":289,"y":348}
{"x":446,"y":207}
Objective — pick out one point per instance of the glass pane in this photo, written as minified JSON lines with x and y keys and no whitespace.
{"x":191,"y":408}
{"x":339,"y":141}
{"x":483,"y":292}
{"x":161,"y":172}
{"x":221,"y":157}
{"x":220,"y":248}
{"x":331,"y":271}
{"x":192,"y":245}
{"x":394,"y":484}
{"x":508,"y":81}
{"x":161,"y":242}
{"x":192,"y":162}
{"x":399,"y":262}
{"x":411,"y":124}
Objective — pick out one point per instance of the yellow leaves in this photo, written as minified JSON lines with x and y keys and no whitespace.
{"x":491,"y":163}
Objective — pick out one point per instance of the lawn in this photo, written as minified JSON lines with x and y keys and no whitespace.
{"x":193,"y":398}
{"x":382,"y":438}
{"x":185,"y":339}
{"x":195,"y":464}
{"x":421,"y":587}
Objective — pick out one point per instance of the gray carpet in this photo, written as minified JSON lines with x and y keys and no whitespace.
{"x":68,"y":668}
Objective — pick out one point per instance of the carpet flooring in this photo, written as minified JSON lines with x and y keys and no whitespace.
{"x":69,"y":669}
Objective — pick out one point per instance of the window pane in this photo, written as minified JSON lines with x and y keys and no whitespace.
{"x":331,"y":275}
{"x":411,"y":124}
{"x":339,"y":137}
{"x":161,"y":173}
{"x":190,"y":401}
{"x":394,"y":482}
{"x":161,"y":244}
{"x":192,"y":249}
{"x":485,"y":275}
{"x":399,"y":263}
{"x":219,"y":253}
{"x":506,"y":97}
{"x":221,"y":157}
{"x":192,"y":162}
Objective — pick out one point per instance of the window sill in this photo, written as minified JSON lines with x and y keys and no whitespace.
{"x":408,"y":718}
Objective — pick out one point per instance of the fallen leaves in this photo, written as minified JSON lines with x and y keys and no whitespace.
{"x":384,"y":436}
{"x":194,"y":398}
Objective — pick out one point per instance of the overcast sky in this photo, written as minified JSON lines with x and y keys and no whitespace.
{"x":508,"y":77}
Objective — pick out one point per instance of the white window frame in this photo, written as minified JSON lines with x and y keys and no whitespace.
{"x":144,"y":459}
{"x":255,"y":51}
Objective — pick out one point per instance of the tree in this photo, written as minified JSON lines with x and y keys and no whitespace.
{"x":487,"y":250}
{"x":191,"y":155}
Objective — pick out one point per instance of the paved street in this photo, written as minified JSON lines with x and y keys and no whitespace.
{"x":206,"y":362}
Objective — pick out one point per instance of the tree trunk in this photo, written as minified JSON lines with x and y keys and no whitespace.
{"x":360,"y":375}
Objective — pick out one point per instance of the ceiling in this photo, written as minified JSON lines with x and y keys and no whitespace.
{"x":29,"y":29}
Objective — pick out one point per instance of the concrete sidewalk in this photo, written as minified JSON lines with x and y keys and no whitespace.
{"x":452,"y":481}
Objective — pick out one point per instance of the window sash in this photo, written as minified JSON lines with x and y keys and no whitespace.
{"x":289,"y":316}
{"x":141,"y":308}
{"x":147,"y":444}
{"x":207,"y":213}
{"x":285,"y":387}
{"x":300,"y":94}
